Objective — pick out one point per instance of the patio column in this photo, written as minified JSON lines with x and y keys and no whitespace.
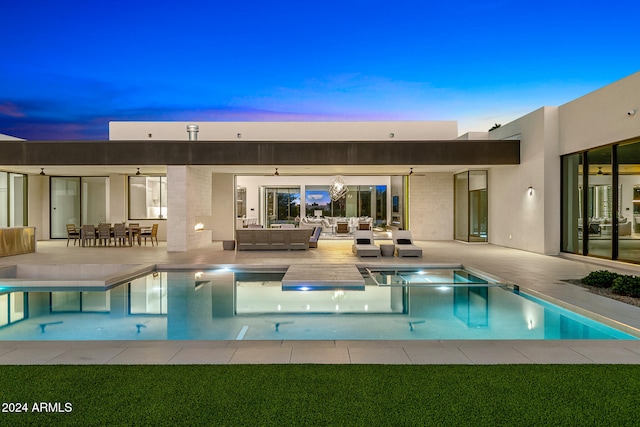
{"x":189,"y":200}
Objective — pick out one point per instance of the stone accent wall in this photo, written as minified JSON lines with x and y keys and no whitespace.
{"x":431,"y":206}
{"x":189,"y":199}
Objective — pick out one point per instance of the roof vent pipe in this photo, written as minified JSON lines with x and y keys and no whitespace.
{"x":192,"y":130}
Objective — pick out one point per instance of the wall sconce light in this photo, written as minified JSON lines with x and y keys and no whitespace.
{"x":631,"y":112}
{"x":199,"y":227}
{"x":239,"y":135}
{"x":391,"y":135}
{"x":530,"y":190}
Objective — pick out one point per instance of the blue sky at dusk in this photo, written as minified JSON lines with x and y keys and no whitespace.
{"x":69,"y":67}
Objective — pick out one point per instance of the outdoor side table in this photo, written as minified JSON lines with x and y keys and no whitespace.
{"x":387,"y":250}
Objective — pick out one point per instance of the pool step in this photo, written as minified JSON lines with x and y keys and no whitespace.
{"x":322,"y":277}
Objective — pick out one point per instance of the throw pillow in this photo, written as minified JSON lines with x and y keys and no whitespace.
{"x":404,"y":241}
{"x":363,"y":241}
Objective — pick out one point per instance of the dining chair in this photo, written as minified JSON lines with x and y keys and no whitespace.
{"x":73,"y":233}
{"x":104,"y":234}
{"x":88,"y":234}
{"x":120,"y":234}
{"x":152,"y":233}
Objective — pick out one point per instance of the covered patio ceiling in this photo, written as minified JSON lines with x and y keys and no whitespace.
{"x":289,"y":170}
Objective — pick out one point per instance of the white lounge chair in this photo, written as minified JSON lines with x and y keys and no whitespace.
{"x":404,"y":244}
{"x":363,"y":244}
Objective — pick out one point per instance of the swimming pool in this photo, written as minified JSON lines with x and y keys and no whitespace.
{"x":229,"y":304}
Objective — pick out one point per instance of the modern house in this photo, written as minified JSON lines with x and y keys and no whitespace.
{"x":558,"y":179}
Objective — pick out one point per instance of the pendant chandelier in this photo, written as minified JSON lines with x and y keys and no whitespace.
{"x":338,"y":188}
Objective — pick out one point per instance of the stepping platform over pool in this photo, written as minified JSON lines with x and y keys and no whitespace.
{"x":322,"y":277}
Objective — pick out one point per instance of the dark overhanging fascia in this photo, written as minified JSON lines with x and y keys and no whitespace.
{"x":442,"y":152}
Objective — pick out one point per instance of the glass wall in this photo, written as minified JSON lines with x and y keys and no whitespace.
{"x":600,"y":209}
{"x":478,"y":206}
{"x":147,"y":197}
{"x":360,"y":200}
{"x":65,"y":205}
{"x":17,"y":200}
{"x":13,"y":199}
{"x":607,"y":225}
{"x":4,"y":199}
{"x":572,"y":203}
{"x":471,"y":207}
{"x":77,"y":200}
{"x":628,"y":157}
{"x":461,"y":207}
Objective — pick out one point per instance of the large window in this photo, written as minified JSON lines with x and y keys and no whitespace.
{"x":601,"y":202}
{"x":147,"y":197}
{"x":13,"y":200}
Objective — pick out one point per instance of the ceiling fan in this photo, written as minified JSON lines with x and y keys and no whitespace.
{"x":143,"y":174}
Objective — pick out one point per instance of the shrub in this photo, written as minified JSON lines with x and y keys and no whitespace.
{"x":600,"y":279}
{"x":627,"y":285}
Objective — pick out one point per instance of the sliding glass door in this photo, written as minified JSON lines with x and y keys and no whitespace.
{"x":282,"y":205}
{"x":471,"y":206}
{"x":76,"y":200}
{"x":608,"y":224}
{"x":65,"y":205}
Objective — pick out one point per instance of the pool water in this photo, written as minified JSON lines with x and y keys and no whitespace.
{"x":435,"y":304}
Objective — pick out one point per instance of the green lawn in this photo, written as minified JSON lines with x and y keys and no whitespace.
{"x":315,"y":395}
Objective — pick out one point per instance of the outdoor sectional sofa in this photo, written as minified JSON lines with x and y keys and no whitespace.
{"x":272,"y":238}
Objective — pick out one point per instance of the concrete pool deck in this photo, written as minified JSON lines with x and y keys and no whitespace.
{"x":534,"y":272}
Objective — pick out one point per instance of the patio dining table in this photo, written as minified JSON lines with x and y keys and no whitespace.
{"x":132,"y":232}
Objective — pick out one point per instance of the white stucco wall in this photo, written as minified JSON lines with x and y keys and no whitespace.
{"x":286,"y":131}
{"x":517,"y":219}
{"x":600,"y":117}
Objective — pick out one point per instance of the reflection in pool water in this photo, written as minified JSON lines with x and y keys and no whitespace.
{"x":228,"y":305}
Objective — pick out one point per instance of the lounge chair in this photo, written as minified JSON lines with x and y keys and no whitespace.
{"x":363,"y":244}
{"x":404,"y":244}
